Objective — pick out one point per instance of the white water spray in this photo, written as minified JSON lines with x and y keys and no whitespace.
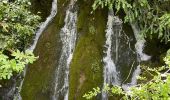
{"x":135,"y":74}
{"x":133,"y":82}
{"x":68,"y":36}
{"x":44,"y":25}
{"x":140,"y":44}
{"x":111,"y":76}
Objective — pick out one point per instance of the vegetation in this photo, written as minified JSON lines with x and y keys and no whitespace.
{"x":155,"y":89}
{"x":17,"y":64}
{"x":152,"y":16}
{"x":17,"y":28}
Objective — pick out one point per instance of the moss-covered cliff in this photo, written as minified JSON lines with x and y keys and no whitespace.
{"x":86,"y":69}
{"x":38,"y":82}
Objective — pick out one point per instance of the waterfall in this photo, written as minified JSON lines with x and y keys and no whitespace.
{"x":133,"y":79}
{"x":68,"y":36}
{"x":140,"y":44}
{"x":135,"y":74}
{"x":42,"y":27}
{"x":114,"y":28}
{"x":114,"y":53}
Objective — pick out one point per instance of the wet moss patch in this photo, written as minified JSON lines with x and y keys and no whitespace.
{"x":86,"y":69}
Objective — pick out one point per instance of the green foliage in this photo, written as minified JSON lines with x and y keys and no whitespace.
{"x":92,"y":93}
{"x":17,"y":28}
{"x":155,"y":89}
{"x":152,"y":15}
{"x":9,"y":66}
{"x":17,"y":24}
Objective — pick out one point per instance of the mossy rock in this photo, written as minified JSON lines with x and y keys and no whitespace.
{"x":86,"y":69}
{"x":41,"y":6}
{"x":39,"y":80}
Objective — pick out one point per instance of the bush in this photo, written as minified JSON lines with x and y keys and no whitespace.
{"x":17,"y":28}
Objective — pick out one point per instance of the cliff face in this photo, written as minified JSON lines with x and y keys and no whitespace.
{"x":42,"y":6}
{"x":86,"y":69}
{"x":86,"y":66}
{"x":38,"y":82}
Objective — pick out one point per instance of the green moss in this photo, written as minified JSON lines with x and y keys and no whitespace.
{"x":86,"y":69}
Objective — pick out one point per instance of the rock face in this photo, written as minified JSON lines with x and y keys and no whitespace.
{"x":42,"y":6}
{"x":8,"y":88}
{"x":86,"y":66}
{"x":86,"y":69}
{"x":38,"y":82}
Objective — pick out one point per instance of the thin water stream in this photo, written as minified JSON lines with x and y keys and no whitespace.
{"x":42,"y":27}
{"x":111,"y":75}
{"x":121,"y":63}
{"x":68,"y":36}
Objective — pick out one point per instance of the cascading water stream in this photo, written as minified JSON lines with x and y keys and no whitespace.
{"x":68,"y":36}
{"x":134,"y":76}
{"x":42,"y":27}
{"x":139,"y":46}
{"x":133,"y":79}
{"x":113,"y":59}
{"x":111,"y":75}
